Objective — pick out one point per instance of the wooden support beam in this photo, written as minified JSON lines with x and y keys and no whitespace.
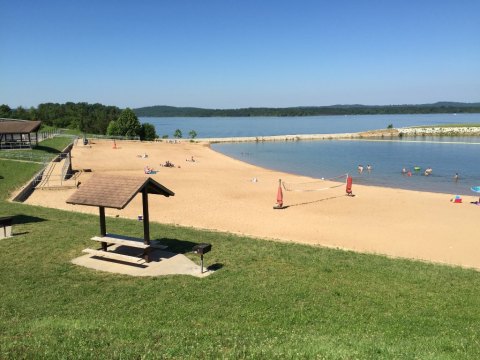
{"x":146,"y":221}
{"x":103,"y":226}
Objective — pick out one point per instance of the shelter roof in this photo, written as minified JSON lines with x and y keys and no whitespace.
{"x":12,"y":126}
{"x":115,"y":191}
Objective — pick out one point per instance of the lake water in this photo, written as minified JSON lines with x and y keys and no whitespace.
{"x":330,"y":158}
{"x":216,"y":127}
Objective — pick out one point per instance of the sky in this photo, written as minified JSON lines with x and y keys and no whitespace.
{"x":243,"y":53}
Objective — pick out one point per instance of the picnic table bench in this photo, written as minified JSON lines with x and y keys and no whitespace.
{"x":122,"y":240}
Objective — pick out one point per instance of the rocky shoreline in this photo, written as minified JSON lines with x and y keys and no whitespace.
{"x":440,"y":131}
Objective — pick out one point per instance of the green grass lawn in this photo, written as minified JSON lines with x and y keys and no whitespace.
{"x":45,"y":151}
{"x":267,"y":300}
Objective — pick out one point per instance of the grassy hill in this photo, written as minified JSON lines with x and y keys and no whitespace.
{"x":267,"y":300}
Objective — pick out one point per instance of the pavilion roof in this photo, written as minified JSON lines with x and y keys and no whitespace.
{"x":12,"y":126}
{"x":113,"y":191}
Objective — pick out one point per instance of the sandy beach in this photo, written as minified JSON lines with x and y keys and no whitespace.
{"x":217,"y":192}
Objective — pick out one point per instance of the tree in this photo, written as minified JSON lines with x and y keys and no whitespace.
{"x":33,"y":113}
{"x":147,"y":132}
{"x":127,"y":123}
{"x":192,"y":134}
{"x":90,"y":118}
{"x":21,"y":113}
{"x":178,"y":134}
{"x":112,"y":128}
{"x":5,"y":111}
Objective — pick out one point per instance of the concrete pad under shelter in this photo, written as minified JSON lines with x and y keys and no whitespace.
{"x":162,"y":263}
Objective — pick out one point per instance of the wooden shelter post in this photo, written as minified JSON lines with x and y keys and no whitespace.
{"x":146,"y":224}
{"x":146,"y":220}
{"x":103,"y":226}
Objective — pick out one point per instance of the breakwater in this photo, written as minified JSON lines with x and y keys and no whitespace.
{"x":280,"y":138}
{"x":441,"y":131}
{"x":381,"y":133}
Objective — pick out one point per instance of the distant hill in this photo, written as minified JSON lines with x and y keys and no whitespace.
{"x":443,"y":107}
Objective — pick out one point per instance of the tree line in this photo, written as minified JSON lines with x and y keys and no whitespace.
{"x":87,"y":118}
{"x":436,"y":108}
{"x":111,"y":120}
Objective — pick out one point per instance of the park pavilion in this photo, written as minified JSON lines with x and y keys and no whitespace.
{"x":108,"y":191}
{"x":18,"y":134}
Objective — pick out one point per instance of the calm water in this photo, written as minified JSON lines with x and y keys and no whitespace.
{"x":331,"y":158}
{"x":264,"y":126}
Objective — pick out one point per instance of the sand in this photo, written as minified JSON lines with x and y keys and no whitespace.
{"x":216,"y":192}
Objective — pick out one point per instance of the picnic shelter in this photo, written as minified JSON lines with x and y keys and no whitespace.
{"x":18,"y":134}
{"x":114,"y":191}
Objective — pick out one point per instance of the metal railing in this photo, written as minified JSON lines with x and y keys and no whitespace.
{"x":16,"y":144}
{"x":110,"y":137}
